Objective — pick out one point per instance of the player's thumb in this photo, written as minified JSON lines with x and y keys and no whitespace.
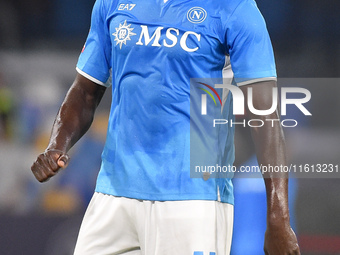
{"x":63,"y":161}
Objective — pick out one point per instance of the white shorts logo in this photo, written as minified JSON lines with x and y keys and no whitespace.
{"x":196,"y":15}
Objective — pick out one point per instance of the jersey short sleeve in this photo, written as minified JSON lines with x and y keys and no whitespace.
{"x":249,"y":45}
{"x":95,"y":60}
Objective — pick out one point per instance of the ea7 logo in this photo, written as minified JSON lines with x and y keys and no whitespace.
{"x":196,"y":15}
{"x":127,"y":7}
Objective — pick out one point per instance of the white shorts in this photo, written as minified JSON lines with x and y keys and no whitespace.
{"x":119,"y":225}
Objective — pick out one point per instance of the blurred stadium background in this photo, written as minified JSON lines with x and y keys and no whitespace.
{"x":39,"y":46}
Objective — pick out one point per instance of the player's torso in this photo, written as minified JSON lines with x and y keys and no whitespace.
{"x":156,"y":48}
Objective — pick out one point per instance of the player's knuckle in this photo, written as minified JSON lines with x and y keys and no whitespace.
{"x":36,"y":171}
{"x":51,"y":160}
{"x":45,"y":176}
{"x":40,"y":160}
{"x":51,"y":173}
{"x":37,"y":175}
{"x":33,"y":167}
{"x":41,"y":156}
{"x":51,"y":163}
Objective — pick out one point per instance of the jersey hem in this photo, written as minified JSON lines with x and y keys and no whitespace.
{"x":90,"y":77}
{"x":243,"y":83}
{"x":163,"y":197}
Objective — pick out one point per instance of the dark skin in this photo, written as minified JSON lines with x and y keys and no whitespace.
{"x":269,"y":144}
{"x":76,"y":115}
{"x":74,"y":118}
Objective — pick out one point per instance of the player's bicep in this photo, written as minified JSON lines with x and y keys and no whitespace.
{"x":95,"y":59}
{"x":262,"y":97}
{"x":89,"y":90}
{"x":249,"y":45}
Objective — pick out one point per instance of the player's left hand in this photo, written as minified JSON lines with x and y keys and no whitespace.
{"x":281,"y":241}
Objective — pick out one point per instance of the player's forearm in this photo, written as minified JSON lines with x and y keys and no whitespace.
{"x":71,"y":123}
{"x":75,"y":114}
{"x":271,"y":153}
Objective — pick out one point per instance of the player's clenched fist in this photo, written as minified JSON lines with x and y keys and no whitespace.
{"x":48,"y":164}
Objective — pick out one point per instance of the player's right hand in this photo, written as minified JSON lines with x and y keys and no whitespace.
{"x":48,"y":164}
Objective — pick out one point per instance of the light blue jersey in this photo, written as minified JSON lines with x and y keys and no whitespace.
{"x":154,"y":49}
